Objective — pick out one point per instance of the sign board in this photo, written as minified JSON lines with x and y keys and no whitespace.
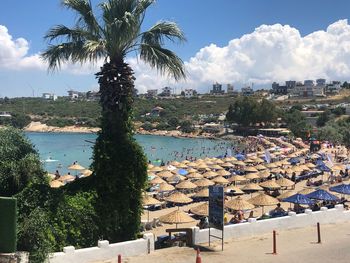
{"x":216,"y":207}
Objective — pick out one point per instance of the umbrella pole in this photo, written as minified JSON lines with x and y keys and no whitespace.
{"x":147,"y":216}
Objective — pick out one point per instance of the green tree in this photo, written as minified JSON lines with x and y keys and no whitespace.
{"x":243,"y":111}
{"x":187,"y":126}
{"x":296,"y":122}
{"x":118,"y":161}
{"x":323,"y":118}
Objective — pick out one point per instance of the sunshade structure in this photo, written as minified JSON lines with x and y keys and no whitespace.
{"x":220,"y":180}
{"x":175,"y":178}
{"x":252,"y":176}
{"x":239,"y":204}
{"x":298,"y":199}
{"x":251,"y":187}
{"x":165,"y":174}
{"x":263,"y":200}
{"x":202,"y":166}
{"x":175,"y":163}
{"x":192,"y":170}
{"x":223,"y":173}
{"x":250,"y":169}
{"x":56,"y":184}
{"x":216,"y":167}
{"x":178,"y":198}
{"x":176,"y":217}
{"x":237,"y":178}
{"x":234,"y":189}
{"x":164,"y":187}
{"x":306,"y":191}
{"x":337,"y":167}
{"x":321,"y":194}
{"x":76,"y":166}
{"x":148,"y":201}
{"x":156,"y":180}
{"x":218,"y":161}
{"x":86,"y":173}
{"x":271,"y":185}
{"x":239,"y":163}
{"x":249,"y":161}
{"x":182,"y":166}
{"x":286,"y":194}
{"x":284,"y":182}
{"x":271,"y":165}
{"x":210,"y":174}
{"x":185,"y":185}
{"x":201,"y":210}
{"x":341,"y":189}
{"x":182,"y":171}
{"x":203,"y":183}
{"x":277,"y":170}
{"x":66,"y":178}
{"x":227,"y":165}
{"x":156,"y":169}
{"x":264,"y":174}
{"x":194,"y":176}
{"x":204,"y":193}
{"x":310,"y":165}
{"x":260,"y":167}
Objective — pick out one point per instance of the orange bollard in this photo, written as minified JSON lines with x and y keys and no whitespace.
{"x":119,"y":258}
{"x":198,"y":258}
{"x":274,"y":252}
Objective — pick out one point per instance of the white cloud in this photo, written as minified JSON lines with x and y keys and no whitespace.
{"x":269,"y":53}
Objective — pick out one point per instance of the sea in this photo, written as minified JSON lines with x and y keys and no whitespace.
{"x":59,"y":150}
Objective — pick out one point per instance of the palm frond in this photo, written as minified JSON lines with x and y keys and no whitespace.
{"x":86,"y":18}
{"x":68,"y":34}
{"x":161,"y":31}
{"x":164,"y":60}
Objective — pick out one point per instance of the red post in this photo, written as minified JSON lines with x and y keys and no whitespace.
{"x":318,"y":233}
{"x":274,"y":252}
{"x":119,"y":258}
{"x":198,"y":258}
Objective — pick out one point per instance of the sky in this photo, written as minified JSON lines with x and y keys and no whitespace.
{"x":228,"y":41}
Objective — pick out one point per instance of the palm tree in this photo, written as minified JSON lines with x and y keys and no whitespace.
{"x":118,"y":161}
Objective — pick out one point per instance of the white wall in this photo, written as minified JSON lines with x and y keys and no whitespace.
{"x":105,"y":251}
{"x":255,"y":228}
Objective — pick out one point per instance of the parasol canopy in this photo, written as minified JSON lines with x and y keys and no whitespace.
{"x":204,"y":193}
{"x":185,"y":185}
{"x":220,"y":180}
{"x":298,"y":199}
{"x":165,"y":187}
{"x":176,"y":217}
{"x":56,"y":184}
{"x":263,"y":200}
{"x":341,"y":189}
{"x":76,"y":166}
{"x":321,"y":194}
{"x":178,"y":198}
{"x":239,"y":204}
{"x":284,"y":182}
{"x":271,"y":184}
{"x":201,"y":210}
{"x":286,"y":194}
{"x":203,"y":182}
{"x":251,"y":187}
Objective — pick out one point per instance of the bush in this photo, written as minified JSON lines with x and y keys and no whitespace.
{"x":60,"y":122}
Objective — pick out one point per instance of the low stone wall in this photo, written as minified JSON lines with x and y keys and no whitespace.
{"x":105,"y":251}
{"x":292,"y":221}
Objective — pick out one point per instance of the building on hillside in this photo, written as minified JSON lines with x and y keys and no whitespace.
{"x":277,"y":89}
{"x":5,"y":114}
{"x":166,"y":92}
{"x":217,"y":89}
{"x":152,"y":93}
{"x":320,"y":82}
{"x":247,"y":91}
{"x":333,"y":88}
{"x":230,"y":89}
{"x":189,"y":93}
{"x":156,"y":111}
{"x":290,"y":84}
{"x":75,"y":95}
{"x":93,"y":95}
{"x":49,"y":96}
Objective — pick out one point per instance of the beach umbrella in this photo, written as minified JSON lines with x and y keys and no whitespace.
{"x":192,"y":164}
{"x":263,"y":200}
{"x":51,"y":176}
{"x":284,"y":182}
{"x":271,"y":165}
{"x":239,"y":204}
{"x":306,"y":191}
{"x":56,"y":184}
{"x":76,"y":166}
{"x":182,"y":166}
{"x":250,"y":169}
{"x":271,"y":185}
{"x":297,"y":169}
{"x":249,"y":161}
{"x":259,"y":160}
{"x":218,"y":161}
{"x":310,"y":165}
{"x":185,"y":161}
{"x":341,"y":189}
{"x":156,"y":169}
{"x":289,"y":171}
{"x":194,"y":176}
{"x":204,"y":193}
{"x":182,"y":172}
{"x":252,"y":176}
{"x":191,"y":170}
{"x":165,"y":174}
{"x":277,"y":170}
{"x":321,"y":194}
{"x":260,"y":167}
{"x":178,"y":198}
{"x":264,"y":174}
{"x":156,"y":180}
{"x":227,"y":165}
{"x":66,"y":178}
{"x":239,"y":163}
{"x":216,"y":167}
{"x":202,"y":166}
{"x":185,"y":185}
{"x":286,"y":194}
{"x":175,"y":163}
{"x":223,"y":173}
{"x":251,"y":187}
{"x":149,"y":201}
{"x":315,"y":156}
{"x":203,"y":183}
{"x":338,"y":167}
{"x":200,"y":210}
{"x":210,"y":174}
{"x":150,"y":166}
{"x":298,"y":199}
{"x":234,"y":189}
{"x":175,"y":178}
{"x":165,"y":187}
{"x":176,"y":217}
{"x":237,"y":178}
{"x":239,"y":157}
{"x":220,"y":180}
{"x":86,"y":172}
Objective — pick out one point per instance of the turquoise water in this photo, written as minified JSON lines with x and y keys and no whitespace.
{"x":59,"y":150}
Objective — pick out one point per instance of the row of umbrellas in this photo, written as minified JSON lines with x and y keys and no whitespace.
{"x":68,"y":177}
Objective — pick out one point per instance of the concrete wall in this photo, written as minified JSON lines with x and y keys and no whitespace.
{"x":105,"y":251}
{"x":254,"y":227}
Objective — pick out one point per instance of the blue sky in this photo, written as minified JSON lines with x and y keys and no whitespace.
{"x":204,"y":23}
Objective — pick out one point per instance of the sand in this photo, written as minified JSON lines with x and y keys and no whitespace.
{"x":40,"y":127}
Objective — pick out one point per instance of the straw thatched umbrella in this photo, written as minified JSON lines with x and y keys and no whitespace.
{"x":259,"y":160}
{"x":178,"y":198}
{"x":220,"y":180}
{"x":185,"y":161}
{"x":216,"y":167}
{"x":289,"y":171}
{"x":263,"y":200}
{"x":237,"y":178}
{"x":286,"y":194}
{"x":310,"y":165}
{"x":264,"y":174}
{"x":194,"y":176}
{"x":306,"y":191}
{"x":165,"y":174}
{"x":176,"y":217}
{"x":192,"y":164}
{"x":249,"y":161}
{"x":156,"y":180}
{"x":150,"y":166}
{"x":271,"y":165}
{"x":260,"y":167}
{"x":185,"y":185}
{"x":191,"y":170}
{"x":76,"y":166}
{"x":51,"y":176}
{"x":271,"y":185}
{"x":236,"y":190}
{"x":200,"y":210}
{"x":148,"y":201}
{"x":202,"y":166}
{"x":182,"y":165}
{"x":66,"y":178}
{"x":56,"y":184}
{"x":218,"y":161}
{"x":204,"y":193}
{"x":239,"y":163}
{"x":175,"y":163}
{"x":238,"y":204}
{"x":223,"y":173}
{"x":297,"y":169}
{"x":252,"y":176}
{"x":165,"y":187}
{"x":203,"y":182}
{"x":227,"y":165}
{"x":251,"y":187}
{"x":210,"y":174}
{"x":338,"y":167}
{"x":86,"y":172}
{"x":277,"y":170}
{"x":156,"y":169}
{"x":284,"y":182}
{"x":175,"y":178}
{"x":250,"y":169}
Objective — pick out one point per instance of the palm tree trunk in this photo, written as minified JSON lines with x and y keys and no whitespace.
{"x":119,"y":162}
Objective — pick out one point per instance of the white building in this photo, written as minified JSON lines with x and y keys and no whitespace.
{"x":49,"y":96}
{"x":152,"y":93}
{"x":189,"y":93}
{"x":247,"y":91}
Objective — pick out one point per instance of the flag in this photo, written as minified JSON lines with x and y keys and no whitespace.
{"x":267,"y":156}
